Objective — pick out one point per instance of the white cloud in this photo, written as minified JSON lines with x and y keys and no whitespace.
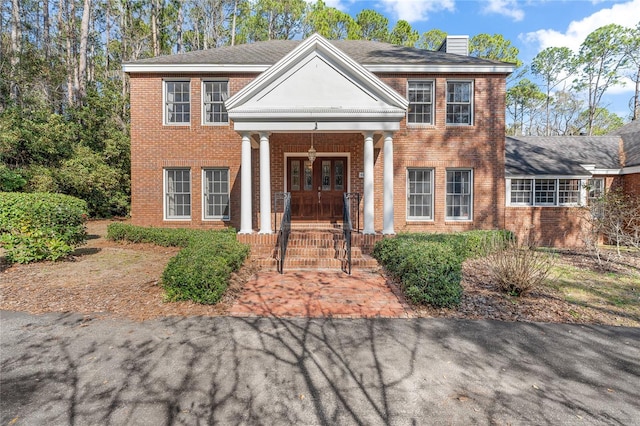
{"x":507,"y":8}
{"x":416,"y":10}
{"x":625,"y":14}
{"x":338,"y":4}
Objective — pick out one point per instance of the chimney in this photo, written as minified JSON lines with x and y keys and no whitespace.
{"x":456,"y":44}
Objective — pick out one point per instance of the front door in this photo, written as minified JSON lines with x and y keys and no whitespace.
{"x":317,"y":188}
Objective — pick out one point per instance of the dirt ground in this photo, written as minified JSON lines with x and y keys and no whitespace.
{"x":121,"y":280}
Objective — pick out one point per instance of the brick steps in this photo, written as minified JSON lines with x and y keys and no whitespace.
{"x":315,"y":249}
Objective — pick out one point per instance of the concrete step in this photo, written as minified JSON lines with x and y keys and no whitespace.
{"x":363,"y":263}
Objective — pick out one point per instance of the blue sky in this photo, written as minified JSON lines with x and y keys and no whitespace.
{"x":531,"y":25}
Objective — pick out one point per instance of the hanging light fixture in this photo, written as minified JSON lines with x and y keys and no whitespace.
{"x":312,"y":152}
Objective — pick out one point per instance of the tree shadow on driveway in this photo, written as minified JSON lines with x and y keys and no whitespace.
{"x":66,"y":369}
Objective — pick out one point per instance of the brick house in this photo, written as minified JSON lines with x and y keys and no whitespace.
{"x":548,"y":179}
{"x":218,"y":135}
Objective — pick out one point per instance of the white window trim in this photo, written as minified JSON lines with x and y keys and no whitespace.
{"x":164,"y":102}
{"x":164,"y":195}
{"x":471,"y":102}
{"x":508,"y":195}
{"x":433,"y":102}
{"x":204,"y":195}
{"x":471,"y":195}
{"x":202,"y":104}
{"x":420,"y":218}
{"x":582,"y":197}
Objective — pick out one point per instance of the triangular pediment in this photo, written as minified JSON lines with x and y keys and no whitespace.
{"x":316,"y":81}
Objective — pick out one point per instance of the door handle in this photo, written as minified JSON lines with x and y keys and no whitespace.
{"x":319,"y":196}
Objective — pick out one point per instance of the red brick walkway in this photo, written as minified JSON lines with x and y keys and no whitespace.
{"x":319,"y":293}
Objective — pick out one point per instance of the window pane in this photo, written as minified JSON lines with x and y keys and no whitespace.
{"x":420,"y":95}
{"x":458,"y":102}
{"x":216,"y":188}
{"x":420,"y":198}
{"x":178,"y":193}
{"x":458,"y":197}
{"x":215,"y":94}
{"x":521,"y":191}
{"x":545,"y":190}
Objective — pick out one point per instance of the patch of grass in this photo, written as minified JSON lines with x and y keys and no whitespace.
{"x":615,"y":293}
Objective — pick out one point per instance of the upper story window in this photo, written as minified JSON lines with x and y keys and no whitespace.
{"x":420,"y":94}
{"x":459,"y":103}
{"x":177,"y":102}
{"x":214,"y":94}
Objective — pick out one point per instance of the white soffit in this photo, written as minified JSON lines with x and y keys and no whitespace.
{"x":316,"y":80}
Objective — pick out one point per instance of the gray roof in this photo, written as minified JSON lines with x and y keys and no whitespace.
{"x":630,"y":134}
{"x":560,"y":155}
{"x":362,"y":51}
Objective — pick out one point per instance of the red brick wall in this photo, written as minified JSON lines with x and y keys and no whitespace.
{"x":479,"y":147}
{"x":631,"y":184}
{"x":552,"y":226}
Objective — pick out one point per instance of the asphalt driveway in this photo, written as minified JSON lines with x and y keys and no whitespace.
{"x":64,"y":369}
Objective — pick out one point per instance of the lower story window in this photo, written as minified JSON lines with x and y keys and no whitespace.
{"x":420,"y":194}
{"x":521,"y":191}
{"x":178,"y":193}
{"x":459,"y":193}
{"x":545,"y":191}
{"x":216,"y":193}
{"x":568,"y":191}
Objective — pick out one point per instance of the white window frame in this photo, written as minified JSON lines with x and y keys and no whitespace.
{"x":166,"y":194}
{"x":446,"y":194}
{"x":431,"y":193}
{"x":165,"y":104}
{"x":205,"y":216}
{"x":556,"y":202}
{"x":431,"y":103}
{"x":590,"y":188}
{"x":204,"y":102}
{"x":510,"y":190}
{"x":578,"y":191}
{"x":555,"y":192}
{"x":470,"y":103}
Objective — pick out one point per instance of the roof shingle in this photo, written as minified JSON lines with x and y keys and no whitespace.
{"x":364,"y":52}
{"x":560,"y":155}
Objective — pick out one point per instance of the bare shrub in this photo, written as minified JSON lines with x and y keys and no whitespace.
{"x":517,"y":268}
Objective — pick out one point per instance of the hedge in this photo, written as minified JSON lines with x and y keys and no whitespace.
{"x":201,"y":270}
{"x":41,"y":226}
{"x":429,"y":265}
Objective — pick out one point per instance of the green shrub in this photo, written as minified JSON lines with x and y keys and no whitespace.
{"x":429,"y":265}
{"x":41,"y":226}
{"x":201,"y":270}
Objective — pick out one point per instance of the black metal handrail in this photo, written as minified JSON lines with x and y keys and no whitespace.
{"x":346,"y":231}
{"x":353,"y":201}
{"x":285,"y":229}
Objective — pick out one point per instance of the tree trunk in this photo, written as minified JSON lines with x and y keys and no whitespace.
{"x":16,"y":47}
{"x":636,"y":104}
{"x":180,"y":46}
{"x":154,"y":28}
{"x":46,"y":27}
{"x":233,"y":22}
{"x":81,"y":83}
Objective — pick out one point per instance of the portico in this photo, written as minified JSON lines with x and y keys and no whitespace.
{"x":316,"y":90}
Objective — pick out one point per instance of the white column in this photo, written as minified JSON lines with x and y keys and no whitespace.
{"x":388,"y":185}
{"x":368,"y":184}
{"x":245,"y":186}
{"x":265,"y":185}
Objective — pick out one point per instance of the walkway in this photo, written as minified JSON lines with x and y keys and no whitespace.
{"x":319,"y":293}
